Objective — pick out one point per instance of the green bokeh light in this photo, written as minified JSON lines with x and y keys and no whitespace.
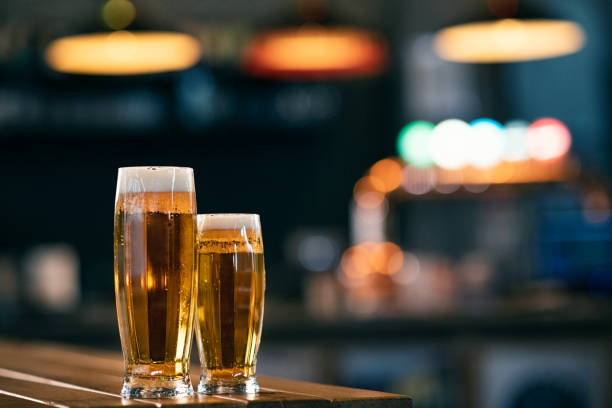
{"x":413,"y":143}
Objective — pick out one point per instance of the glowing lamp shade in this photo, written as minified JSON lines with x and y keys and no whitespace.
{"x":315,"y":52}
{"x":516,"y":141}
{"x":447,"y":143}
{"x":485,"y":146}
{"x":123,"y":53}
{"x":548,"y":139}
{"x":509,"y":40}
{"x":413,"y":143}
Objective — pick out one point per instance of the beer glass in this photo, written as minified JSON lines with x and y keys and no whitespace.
{"x":155,"y":278}
{"x":231,"y":288}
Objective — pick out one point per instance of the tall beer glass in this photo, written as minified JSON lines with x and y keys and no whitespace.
{"x":155,"y":278}
{"x":230,"y":301}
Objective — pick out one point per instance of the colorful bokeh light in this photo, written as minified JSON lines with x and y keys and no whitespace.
{"x":413,"y":143}
{"x":366,"y":195}
{"x":316,"y":52}
{"x":516,"y":141}
{"x":386,"y":175}
{"x":509,"y":40}
{"x":418,"y":181}
{"x":367,"y":258}
{"x":123,"y":53}
{"x":447,"y":143}
{"x":548,"y":139}
{"x":486,"y":142}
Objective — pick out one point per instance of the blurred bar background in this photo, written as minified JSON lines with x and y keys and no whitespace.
{"x":435,"y":196}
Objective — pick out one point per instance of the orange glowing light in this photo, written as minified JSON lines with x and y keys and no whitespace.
{"x":355,"y":263}
{"x":386,"y":258}
{"x":372,"y":257}
{"x":386,"y":175}
{"x":417,"y":181}
{"x":365,"y":193}
{"x":509,"y":40}
{"x":547,"y":139}
{"x":123,"y":53}
{"x":316,"y":52}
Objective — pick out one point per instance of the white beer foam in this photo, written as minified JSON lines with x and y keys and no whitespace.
{"x":228,"y":222}
{"x":154,"y":179}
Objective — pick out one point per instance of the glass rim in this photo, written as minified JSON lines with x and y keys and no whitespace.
{"x":227,"y":214}
{"x":228,"y":221}
{"x":155,"y":167}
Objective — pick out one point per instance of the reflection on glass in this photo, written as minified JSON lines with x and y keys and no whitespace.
{"x":155,"y":278}
{"x":230,"y":301}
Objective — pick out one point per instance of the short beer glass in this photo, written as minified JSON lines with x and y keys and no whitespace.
{"x":155,"y":278}
{"x":231,"y":287}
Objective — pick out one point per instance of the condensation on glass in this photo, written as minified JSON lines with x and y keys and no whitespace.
{"x":230,"y":301}
{"x":155,"y":278}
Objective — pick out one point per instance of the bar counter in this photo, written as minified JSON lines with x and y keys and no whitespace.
{"x":34,"y":374}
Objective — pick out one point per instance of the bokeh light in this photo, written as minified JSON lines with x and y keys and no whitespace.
{"x":418,"y":181}
{"x":317,"y":253}
{"x":409,"y":271}
{"x":596,"y":207}
{"x":366,"y":195}
{"x":548,"y":139}
{"x":123,"y":53}
{"x":447,"y":143}
{"x":372,"y":257}
{"x":386,"y":258}
{"x":355,"y":263}
{"x":447,"y":188}
{"x":516,"y":141}
{"x":386,"y":175}
{"x":413,"y":143}
{"x":118,"y":14}
{"x":316,"y":52}
{"x":509,"y":40}
{"x":485,"y":146}
{"x":476,"y":188}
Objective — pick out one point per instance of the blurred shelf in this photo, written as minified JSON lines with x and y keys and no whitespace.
{"x":288,"y":323}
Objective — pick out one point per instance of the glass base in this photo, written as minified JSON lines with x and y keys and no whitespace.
{"x":214,"y":386}
{"x":156,"y":387}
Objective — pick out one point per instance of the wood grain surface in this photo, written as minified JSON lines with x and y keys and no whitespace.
{"x":38,"y":374}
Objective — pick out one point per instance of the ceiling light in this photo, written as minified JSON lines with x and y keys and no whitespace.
{"x":509,"y":40}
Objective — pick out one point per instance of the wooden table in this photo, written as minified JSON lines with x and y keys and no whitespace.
{"x":35,"y":374}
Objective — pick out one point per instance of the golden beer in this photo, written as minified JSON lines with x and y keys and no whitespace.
{"x":155,"y":281}
{"x":230,"y":301}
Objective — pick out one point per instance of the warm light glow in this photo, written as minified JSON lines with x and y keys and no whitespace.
{"x":448,"y":143}
{"x":547,"y":139}
{"x":365,"y":193}
{"x":118,"y":14}
{"x":509,"y":40}
{"x":386,"y":175}
{"x":313,"y":52}
{"x":418,"y":181}
{"x":409,"y":271}
{"x":596,"y":207}
{"x":413,"y":143}
{"x":372,"y":257}
{"x":486,"y":143}
{"x":123,"y":53}
{"x":516,"y":140}
{"x":386,"y":258}
{"x":354,"y":262}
